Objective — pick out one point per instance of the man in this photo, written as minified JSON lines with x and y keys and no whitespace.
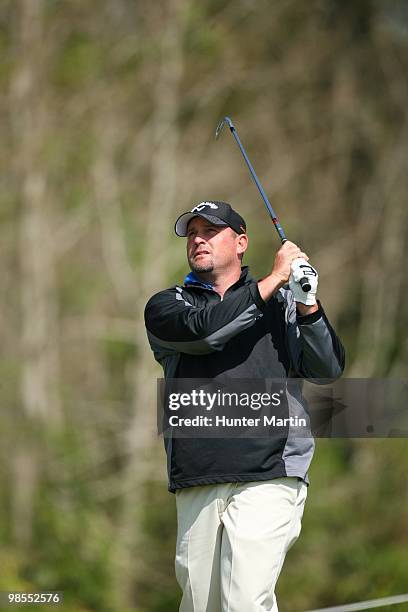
{"x":240,"y":500}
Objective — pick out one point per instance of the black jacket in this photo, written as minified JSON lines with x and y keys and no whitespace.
{"x":195,"y":334}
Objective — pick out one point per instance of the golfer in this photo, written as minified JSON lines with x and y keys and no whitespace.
{"x":239,"y":500}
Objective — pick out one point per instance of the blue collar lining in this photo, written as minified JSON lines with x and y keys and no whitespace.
{"x":191,"y":279}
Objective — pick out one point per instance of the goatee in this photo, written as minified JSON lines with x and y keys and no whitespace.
{"x":201,"y":269}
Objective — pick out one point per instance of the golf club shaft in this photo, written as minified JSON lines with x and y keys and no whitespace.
{"x":304,"y":282}
{"x":268,"y":205}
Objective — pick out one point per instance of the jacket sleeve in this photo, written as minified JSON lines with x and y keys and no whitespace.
{"x":315,"y":349}
{"x":175,"y":325}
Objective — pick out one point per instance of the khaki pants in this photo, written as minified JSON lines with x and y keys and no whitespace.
{"x":232,"y":540}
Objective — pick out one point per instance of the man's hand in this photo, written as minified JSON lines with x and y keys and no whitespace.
{"x":283,"y":259}
{"x":301,"y":269}
{"x":281,"y":269}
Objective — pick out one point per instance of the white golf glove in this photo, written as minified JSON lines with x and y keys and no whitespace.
{"x":301,"y":269}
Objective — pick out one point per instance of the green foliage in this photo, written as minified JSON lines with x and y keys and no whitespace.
{"x":81,"y":287}
{"x":158,"y":590}
{"x":353,"y":543}
{"x":203,"y":41}
{"x":79,"y":61}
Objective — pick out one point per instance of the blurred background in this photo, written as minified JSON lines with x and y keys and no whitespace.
{"x":108,"y":111}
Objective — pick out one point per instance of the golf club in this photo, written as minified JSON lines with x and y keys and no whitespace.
{"x":304,"y":282}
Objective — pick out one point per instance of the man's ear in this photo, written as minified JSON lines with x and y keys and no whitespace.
{"x":242,"y":244}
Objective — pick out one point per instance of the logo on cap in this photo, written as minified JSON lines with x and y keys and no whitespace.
{"x":201,"y":206}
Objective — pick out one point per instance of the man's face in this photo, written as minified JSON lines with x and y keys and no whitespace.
{"x":213,"y":247}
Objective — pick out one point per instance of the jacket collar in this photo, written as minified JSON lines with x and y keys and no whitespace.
{"x":191,"y":280}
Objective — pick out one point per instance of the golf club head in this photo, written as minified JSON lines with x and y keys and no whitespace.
{"x":225,"y":120}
